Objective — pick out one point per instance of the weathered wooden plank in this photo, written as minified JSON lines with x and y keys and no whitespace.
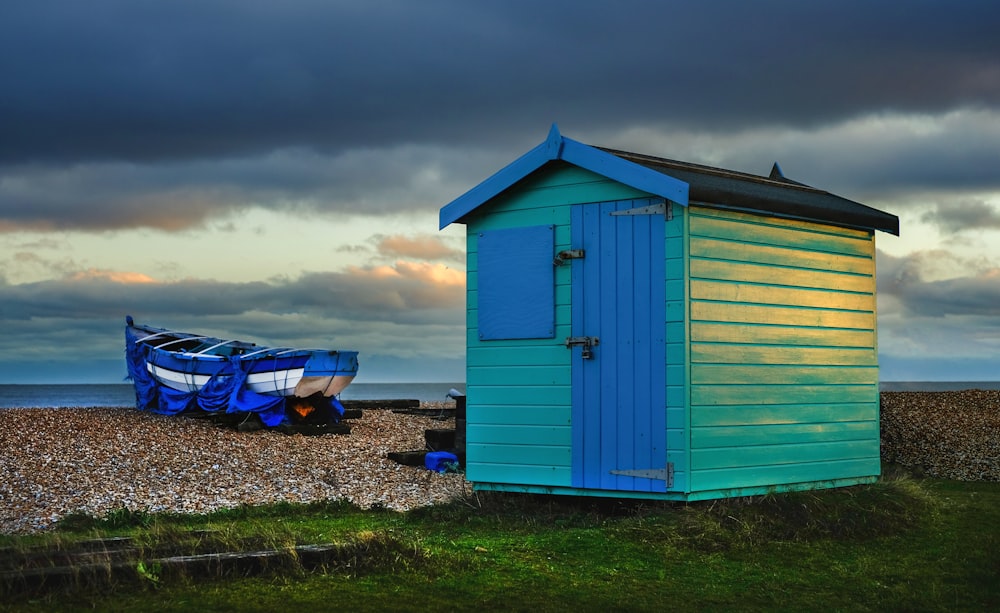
{"x":525,"y":455}
{"x":500,"y":219}
{"x":494,"y":354}
{"x":703,"y":374}
{"x":674,"y":231}
{"x":676,"y":438}
{"x":703,"y":395}
{"x":739,"y":251}
{"x":526,"y":415}
{"x":525,"y":395}
{"x":783,"y":236}
{"x":752,"y":414}
{"x":780,"y":276}
{"x":556,"y":476}
{"x":674,"y":270}
{"x":566,"y":184}
{"x":790,"y":316}
{"x":781,"y":474}
{"x":557,"y":175}
{"x":520,"y":374}
{"x":721,"y":353}
{"x":697,"y":210}
{"x":753,"y":455}
{"x":517,"y":434}
{"x":780,"y":335}
{"x":782,"y":434}
{"x":747,"y":293}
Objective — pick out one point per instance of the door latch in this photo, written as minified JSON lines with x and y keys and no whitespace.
{"x":568,"y":254}
{"x":586,"y":342}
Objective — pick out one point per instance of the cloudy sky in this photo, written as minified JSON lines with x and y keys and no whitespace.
{"x":274,"y":170}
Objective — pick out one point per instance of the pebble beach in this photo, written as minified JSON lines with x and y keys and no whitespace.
{"x":99,"y":460}
{"x":948,"y":435}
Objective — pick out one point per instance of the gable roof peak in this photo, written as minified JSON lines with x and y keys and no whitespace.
{"x":558,"y":147}
{"x":554,"y":143}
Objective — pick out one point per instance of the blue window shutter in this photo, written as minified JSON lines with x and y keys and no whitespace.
{"x":517,"y":283}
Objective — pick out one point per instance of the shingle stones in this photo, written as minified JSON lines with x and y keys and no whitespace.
{"x":951,"y":435}
{"x":57,"y":461}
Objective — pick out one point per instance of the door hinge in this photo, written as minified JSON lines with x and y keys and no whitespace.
{"x":663,"y":208}
{"x":569,"y":254}
{"x":586,"y":341}
{"x":659,"y":474}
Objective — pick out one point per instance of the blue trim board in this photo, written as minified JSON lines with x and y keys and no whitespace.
{"x":558,"y":147}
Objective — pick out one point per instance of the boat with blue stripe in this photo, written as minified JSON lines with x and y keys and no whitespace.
{"x":176,"y":372}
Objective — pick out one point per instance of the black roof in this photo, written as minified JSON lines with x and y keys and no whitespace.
{"x":775,"y":194}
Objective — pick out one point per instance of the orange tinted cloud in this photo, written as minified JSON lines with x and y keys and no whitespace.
{"x":423,"y":272}
{"x":423,"y":247}
{"x":115,"y":276}
{"x":402,"y":285}
{"x":436,"y":274}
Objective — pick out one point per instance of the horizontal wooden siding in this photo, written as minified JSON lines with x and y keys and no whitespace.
{"x":783,"y":362}
{"x":519,"y":396}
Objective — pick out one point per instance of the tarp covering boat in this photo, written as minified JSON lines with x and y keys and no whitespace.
{"x":178,"y":372}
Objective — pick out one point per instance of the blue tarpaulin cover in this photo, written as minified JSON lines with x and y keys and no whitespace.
{"x":441,"y":461}
{"x":228,"y":394}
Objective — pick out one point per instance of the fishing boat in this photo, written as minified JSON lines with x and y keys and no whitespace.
{"x":175,"y":372}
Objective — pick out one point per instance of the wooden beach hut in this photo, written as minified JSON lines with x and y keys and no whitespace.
{"x":642,"y":327}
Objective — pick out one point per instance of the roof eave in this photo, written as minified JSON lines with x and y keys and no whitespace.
{"x":770,"y":195}
{"x":557,"y":147}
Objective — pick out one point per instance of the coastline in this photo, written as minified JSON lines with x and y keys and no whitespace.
{"x":34,"y":395}
{"x":96,"y":460}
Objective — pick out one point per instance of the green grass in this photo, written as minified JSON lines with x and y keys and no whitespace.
{"x":897,"y":545}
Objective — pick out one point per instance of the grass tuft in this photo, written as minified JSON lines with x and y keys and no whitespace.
{"x":117,"y":519}
{"x":864,"y":512}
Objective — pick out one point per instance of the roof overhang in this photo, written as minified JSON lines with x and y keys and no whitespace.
{"x":558,"y":147}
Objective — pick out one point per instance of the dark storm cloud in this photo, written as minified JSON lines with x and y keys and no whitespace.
{"x":964,"y":215}
{"x":176,"y":195}
{"x":143,"y":81}
{"x":938,"y":328}
{"x":975,"y":294}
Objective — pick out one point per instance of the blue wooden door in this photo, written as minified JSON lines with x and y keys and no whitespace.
{"x":618,"y":294}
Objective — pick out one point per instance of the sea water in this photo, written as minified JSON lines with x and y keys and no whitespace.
{"x":123,"y":394}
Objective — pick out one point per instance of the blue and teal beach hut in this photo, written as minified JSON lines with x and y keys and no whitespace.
{"x":642,"y":327}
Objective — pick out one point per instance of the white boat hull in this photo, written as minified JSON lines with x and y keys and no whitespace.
{"x":273,"y":383}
